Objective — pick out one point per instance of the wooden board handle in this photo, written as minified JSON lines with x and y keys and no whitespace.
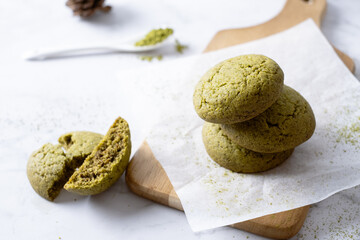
{"x":294,"y":12}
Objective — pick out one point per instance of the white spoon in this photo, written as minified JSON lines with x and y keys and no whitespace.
{"x":126,"y":47}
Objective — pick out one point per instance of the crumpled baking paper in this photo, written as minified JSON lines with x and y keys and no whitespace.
{"x":213,"y":196}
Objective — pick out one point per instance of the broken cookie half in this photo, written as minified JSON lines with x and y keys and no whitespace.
{"x":104,"y":166}
{"x":87,"y":162}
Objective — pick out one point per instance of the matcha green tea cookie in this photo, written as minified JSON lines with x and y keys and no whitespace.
{"x":48,"y":170}
{"x":238,"y":89}
{"x":105,"y":164}
{"x":78,"y":145}
{"x":235,"y":158}
{"x":286,"y":124}
{"x":50,"y":167}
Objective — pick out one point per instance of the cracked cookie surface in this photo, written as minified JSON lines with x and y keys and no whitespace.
{"x":286,"y":124}
{"x":235,"y":158}
{"x":48,"y":170}
{"x":238,"y":89}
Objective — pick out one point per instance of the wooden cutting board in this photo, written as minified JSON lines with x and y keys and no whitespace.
{"x":147,"y":178}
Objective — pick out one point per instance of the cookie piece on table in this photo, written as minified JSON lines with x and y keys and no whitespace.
{"x":238,"y":89}
{"x":48,"y":170}
{"x":235,"y":158}
{"x":289,"y":122}
{"x":104,"y":166}
{"x":78,"y":145}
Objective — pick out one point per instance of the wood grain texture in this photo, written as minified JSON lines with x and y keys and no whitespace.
{"x":147,"y":178}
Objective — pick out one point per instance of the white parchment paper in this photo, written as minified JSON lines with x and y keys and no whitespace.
{"x":213,"y":196}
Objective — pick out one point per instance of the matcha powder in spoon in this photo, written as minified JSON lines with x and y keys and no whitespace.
{"x":155,"y":36}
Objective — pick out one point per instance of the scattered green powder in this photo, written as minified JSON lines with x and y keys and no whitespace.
{"x":150,"y":58}
{"x":350,"y":134}
{"x":146,"y":58}
{"x":179,"y":47}
{"x":155,"y":36}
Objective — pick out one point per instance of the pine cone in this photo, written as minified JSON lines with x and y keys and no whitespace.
{"x":86,"y":8}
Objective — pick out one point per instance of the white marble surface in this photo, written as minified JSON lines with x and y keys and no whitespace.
{"x":26,"y":25}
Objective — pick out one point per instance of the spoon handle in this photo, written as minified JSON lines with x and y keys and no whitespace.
{"x":43,"y":54}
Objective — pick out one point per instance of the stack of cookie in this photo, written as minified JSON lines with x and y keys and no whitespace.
{"x":253,"y":121}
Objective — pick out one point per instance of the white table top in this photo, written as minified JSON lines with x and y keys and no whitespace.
{"x":27,"y":25}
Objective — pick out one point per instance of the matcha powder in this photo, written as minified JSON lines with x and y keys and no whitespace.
{"x":155,"y":36}
{"x":350,"y":134}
